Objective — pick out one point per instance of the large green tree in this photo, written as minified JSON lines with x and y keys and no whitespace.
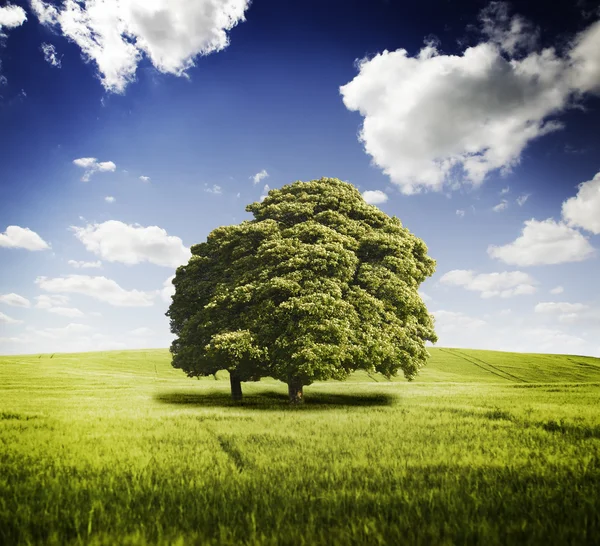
{"x":317,"y":285}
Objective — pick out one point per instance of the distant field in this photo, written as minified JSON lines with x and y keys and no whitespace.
{"x":119,"y":448}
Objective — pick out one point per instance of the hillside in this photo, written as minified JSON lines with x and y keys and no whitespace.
{"x":445,"y":365}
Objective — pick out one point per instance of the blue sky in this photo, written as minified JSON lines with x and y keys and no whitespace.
{"x":131,"y":129}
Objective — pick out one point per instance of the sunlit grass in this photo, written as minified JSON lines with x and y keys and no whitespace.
{"x":119,"y":448}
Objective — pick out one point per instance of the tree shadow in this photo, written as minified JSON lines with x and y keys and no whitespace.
{"x":272,"y":400}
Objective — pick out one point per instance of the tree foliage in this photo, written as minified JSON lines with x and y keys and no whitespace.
{"x":317,"y":285}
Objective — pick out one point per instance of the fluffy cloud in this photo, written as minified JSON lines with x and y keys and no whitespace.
{"x":109,"y":199}
{"x":100,"y":288}
{"x":436,"y":119}
{"x":15,"y":300}
{"x":11,"y":17}
{"x":115,"y":241}
{"x":543,"y":243}
{"x":256,"y":179}
{"x":116,"y":34}
{"x":374,"y":197}
{"x":18,"y":237}
{"x":79,"y":264}
{"x":50,"y":55}
{"x":92,"y":165}
{"x":5,"y":319}
{"x":145,"y":178}
{"x":489,"y":285}
{"x":460,"y":213}
{"x":168,"y":289}
{"x":557,"y":290}
{"x":583,"y":210}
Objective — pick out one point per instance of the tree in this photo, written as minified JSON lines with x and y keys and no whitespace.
{"x":317,"y":285}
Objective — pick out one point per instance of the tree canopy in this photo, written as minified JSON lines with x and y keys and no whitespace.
{"x":317,"y":285}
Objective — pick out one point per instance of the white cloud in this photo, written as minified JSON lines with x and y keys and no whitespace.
{"x":145,"y":178}
{"x":214,"y":189}
{"x":18,"y":237}
{"x":544,"y":243}
{"x":15,"y":300}
{"x":46,"y":302}
{"x":559,"y":307}
{"x":500,"y":206}
{"x":116,"y":34}
{"x":460,"y":213}
{"x":583,"y":210}
{"x":5,"y":319}
{"x":168,"y":289}
{"x":265,"y":192}
{"x":425,"y":297}
{"x":71,"y":329}
{"x":505,"y":284}
{"x":80,"y":264}
{"x":11,"y":17}
{"x":557,"y":290}
{"x":70,"y":312}
{"x":522,"y":199}
{"x":50,"y":55}
{"x":434,"y":120}
{"x":447,"y":322}
{"x":142,"y":332}
{"x":115,"y":241}
{"x":555,"y":341}
{"x":374,"y":197}
{"x":109,"y":199}
{"x":256,"y":179}
{"x":504,"y":191}
{"x":100,"y":288}
{"x":92,"y":165}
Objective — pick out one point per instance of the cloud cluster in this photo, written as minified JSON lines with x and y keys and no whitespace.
{"x":18,"y":237}
{"x":116,"y":34}
{"x":115,"y":241}
{"x":92,"y":165}
{"x":99,"y":288}
{"x":375,"y":197}
{"x":504,"y":285}
{"x":554,"y":242}
{"x":57,"y":305}
{"x":432,"y":120}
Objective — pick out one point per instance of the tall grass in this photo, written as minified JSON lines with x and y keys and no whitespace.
{"x":119,"y":448}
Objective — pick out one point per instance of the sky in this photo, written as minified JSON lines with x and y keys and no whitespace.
{"x":130,"y":129}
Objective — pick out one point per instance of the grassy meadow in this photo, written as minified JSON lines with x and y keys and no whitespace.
{"x":119,"y":448}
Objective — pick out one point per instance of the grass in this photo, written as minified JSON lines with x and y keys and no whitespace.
{"x":119,"y":448}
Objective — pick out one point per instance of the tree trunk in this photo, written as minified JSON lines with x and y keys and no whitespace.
{"x":295,"y":391}
{"x":236,"y":387}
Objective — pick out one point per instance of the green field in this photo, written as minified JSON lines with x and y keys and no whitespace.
{"x":119,"y":448}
